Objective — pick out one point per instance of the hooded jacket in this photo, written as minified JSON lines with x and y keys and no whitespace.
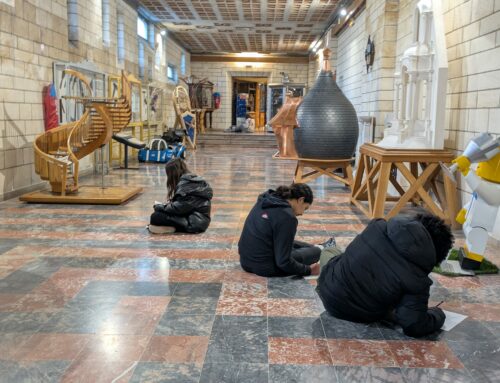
{"x":384,"y":271}
{"x":189,"y":209}
{"x":266,"y":241}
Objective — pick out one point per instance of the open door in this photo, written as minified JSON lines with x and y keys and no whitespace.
{"x":249,"y":97}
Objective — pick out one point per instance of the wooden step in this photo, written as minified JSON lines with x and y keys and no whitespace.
{"x":258,"y":140}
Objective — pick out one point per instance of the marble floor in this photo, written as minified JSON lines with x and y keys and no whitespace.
{"x":87,"y":295}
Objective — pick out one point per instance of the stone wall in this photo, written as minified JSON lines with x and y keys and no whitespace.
{"x":221,"y":73}
{"x":350,"y":64}
{"x":371,"y":93}
{"x":34,"y":35}
{"x":174,"y":53}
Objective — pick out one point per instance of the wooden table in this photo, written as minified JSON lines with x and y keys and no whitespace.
{"x":320,"y":168}
{"x":420,"y":167}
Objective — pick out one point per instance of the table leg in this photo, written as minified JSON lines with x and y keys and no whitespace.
{"x":298,"y":173}
{"x":381,"y":192}
{"x":450,"y":191}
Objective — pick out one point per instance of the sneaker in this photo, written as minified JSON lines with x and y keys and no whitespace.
{"x":153,"y":229}
{"x":329,"y":243}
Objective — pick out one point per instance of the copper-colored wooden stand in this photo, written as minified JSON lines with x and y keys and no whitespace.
{"x":320,"y":168}
{"x":419,"y":167}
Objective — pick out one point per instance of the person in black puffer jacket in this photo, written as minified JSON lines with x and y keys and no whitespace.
{"x":384,"y":274}
{"x":267,"y":246}
{"x":188,"y":206}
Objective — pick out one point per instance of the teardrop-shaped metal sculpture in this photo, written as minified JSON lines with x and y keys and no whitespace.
{"x":328,"y":125}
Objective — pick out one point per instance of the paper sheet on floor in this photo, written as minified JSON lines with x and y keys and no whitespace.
{"x":452,"y":319}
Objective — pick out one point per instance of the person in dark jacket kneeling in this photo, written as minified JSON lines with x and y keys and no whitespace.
{"x":188,"y":202}
{"x":384,"y":274}
{"x":267,"y":246}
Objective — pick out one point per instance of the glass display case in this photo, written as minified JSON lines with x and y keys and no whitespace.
{"x":276,"y":96}
{"x":114,"y":91}
{"x":153,"y":109}
{"x":204,"y":95}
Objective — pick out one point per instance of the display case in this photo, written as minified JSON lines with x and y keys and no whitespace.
{"x":154,"y":110}
{"x":276,"y":96}
{"x":204,"y":95}
{"x":135,"y":127}
{"x":69,"y":89}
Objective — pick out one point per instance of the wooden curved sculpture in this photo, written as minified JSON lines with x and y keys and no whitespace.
{"x":58,"y":151}
{"x":283,"y":124}
{"x":184,"y":115}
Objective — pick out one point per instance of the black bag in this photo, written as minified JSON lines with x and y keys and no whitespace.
{"x":172,"y":136}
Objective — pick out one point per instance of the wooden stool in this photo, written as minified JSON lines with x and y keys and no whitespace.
{"x":320,"y":168}
{"x":208,"y":112}
{"x":420,"y":167}
{"x":201,"y":121}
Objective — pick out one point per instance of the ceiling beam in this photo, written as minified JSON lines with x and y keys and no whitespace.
{"x":216,"y":9}
{"x":229,"y":38}
{"x":193,"y":11}
{"x":312,"y":9}
{"x":167,"y":7}
{"x":247,"y":42}
{"x":280,"y":42}
{"x":239,"y":8}
{"x":264,"y":59}
{"x":263,"y":10}
{"x":195,"y":39}
{"x":288,"y":9}
{"x":216,"y":45}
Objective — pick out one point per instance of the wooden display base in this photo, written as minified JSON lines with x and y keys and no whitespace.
{"x":420,"y":168}
{"x":320,"y":168}
{"x":94,"y":195}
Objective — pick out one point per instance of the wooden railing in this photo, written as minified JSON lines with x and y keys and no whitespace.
{"x":58,"y":151}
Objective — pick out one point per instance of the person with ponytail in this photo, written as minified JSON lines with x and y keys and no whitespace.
{"x":188,"y":202}
{"x":267,"y":245}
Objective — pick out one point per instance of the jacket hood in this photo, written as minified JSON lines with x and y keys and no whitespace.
{"x":192,"y":178}
{"x":269,"y":200}
{"x":412,"y":241}
{"x":194,"y":185}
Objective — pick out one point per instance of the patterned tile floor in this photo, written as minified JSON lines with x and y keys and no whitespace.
{"x":87,"y":295}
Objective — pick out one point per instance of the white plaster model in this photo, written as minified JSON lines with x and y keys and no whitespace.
{"x":420,"y":85}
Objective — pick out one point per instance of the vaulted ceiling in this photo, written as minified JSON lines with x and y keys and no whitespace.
{"x":229,"y":26}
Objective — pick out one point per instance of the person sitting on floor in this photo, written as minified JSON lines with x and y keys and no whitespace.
{"x":267,"y":246}
{"x":188,"y":202}
{"x":249,"y":124}
{"x":384,"y":273}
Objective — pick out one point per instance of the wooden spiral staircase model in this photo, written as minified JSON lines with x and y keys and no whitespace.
{"x":59,"y":150}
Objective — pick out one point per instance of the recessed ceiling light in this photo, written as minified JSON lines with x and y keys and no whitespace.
{"x":250,"y":54}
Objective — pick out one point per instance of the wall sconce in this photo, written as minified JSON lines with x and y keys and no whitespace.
{"x":369,"y":54}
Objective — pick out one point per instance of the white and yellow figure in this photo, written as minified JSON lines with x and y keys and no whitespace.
{"x":479,"y":215}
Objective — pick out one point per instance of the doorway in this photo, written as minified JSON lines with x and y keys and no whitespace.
{"x":249,"y":98}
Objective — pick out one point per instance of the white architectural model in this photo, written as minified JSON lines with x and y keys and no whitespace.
{"x":420,"y":85}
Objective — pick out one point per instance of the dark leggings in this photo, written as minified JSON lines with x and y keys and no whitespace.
{"x":305,"y":253}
